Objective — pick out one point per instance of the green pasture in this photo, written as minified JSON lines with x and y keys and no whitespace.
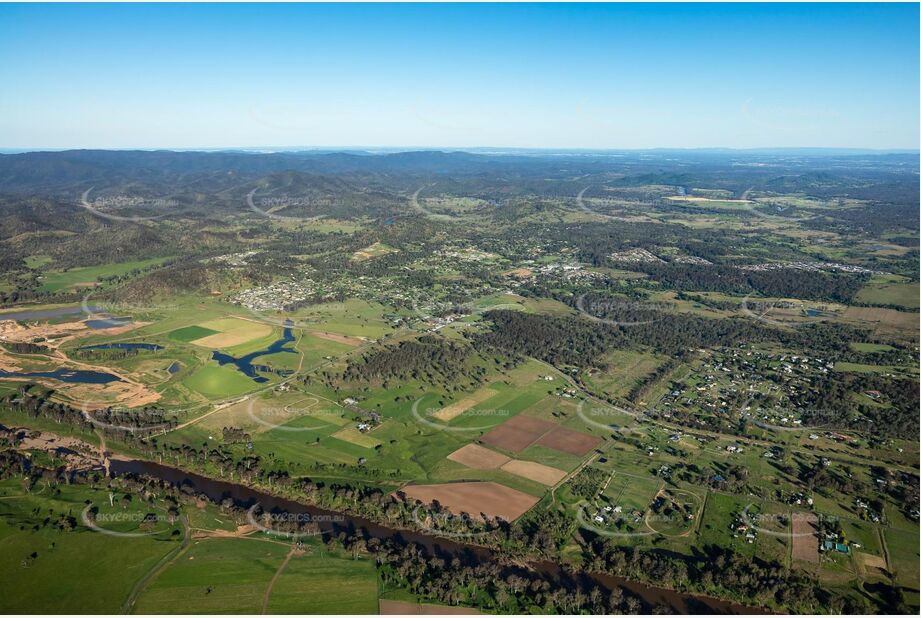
{"x":100,"y":569}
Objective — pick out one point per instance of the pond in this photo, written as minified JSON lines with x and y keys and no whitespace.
{"x":71,"y":376}
{"x":100,"y":323}
{"x":123,"y":346}
{"x":44,"y":314}
{"x":245,"y":363}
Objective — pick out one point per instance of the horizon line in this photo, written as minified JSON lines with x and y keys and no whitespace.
{"x":469,"y":149}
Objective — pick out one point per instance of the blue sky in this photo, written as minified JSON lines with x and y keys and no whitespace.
{"x":546,"y":75}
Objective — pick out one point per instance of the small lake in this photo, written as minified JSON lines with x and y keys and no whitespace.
{"x":100,"y":323}
{"x":245,"y":363}
{"x":71,"y":376}
{"x":45,"y":314}
{"x":123,"y":346}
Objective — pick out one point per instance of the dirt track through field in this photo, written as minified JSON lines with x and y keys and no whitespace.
{"x":268,"y":590}
{"x":344,"y":339}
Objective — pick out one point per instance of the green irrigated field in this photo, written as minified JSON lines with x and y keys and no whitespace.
{"x":317,"y":350}
{"x":218,"y":382}
{"x":190,"y":333}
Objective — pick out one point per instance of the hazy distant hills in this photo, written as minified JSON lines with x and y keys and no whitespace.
{"x":218,"y":170}
{"x":354,"y":183}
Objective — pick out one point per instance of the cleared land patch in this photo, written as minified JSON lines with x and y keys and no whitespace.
{"x":474,"y":498}
{"x":376,"y":250}
{"x":872,"y":562}
{"x":885,"y":319}
{"x":521,"y":273}
{"x":479,"y":458}
{"x":459,"y":407}
{"x":517,"y":433}
{"x":805,"y":539}
{"x":568,"y":441}
{"x":545,"y":475}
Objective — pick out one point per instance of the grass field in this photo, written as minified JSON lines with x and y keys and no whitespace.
{"x":721,"y":510}
{"x":351,"y":317}
{"x":884,"y":369}
{"x":233,"y":575}
{"x":353,"y":436}
{"x":214,"y":575}
{"x":89,"y":275}
{"x":218,"y":382}
{"x":324,"y":582}
{"x":625,"y":370}
{"x":904,"y":556}
{"x":100,"y":569}
{"x":870,"y":347}
{"x":883,"y":320}
{"x":37,"y":261}
{"x":890,"y":290}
